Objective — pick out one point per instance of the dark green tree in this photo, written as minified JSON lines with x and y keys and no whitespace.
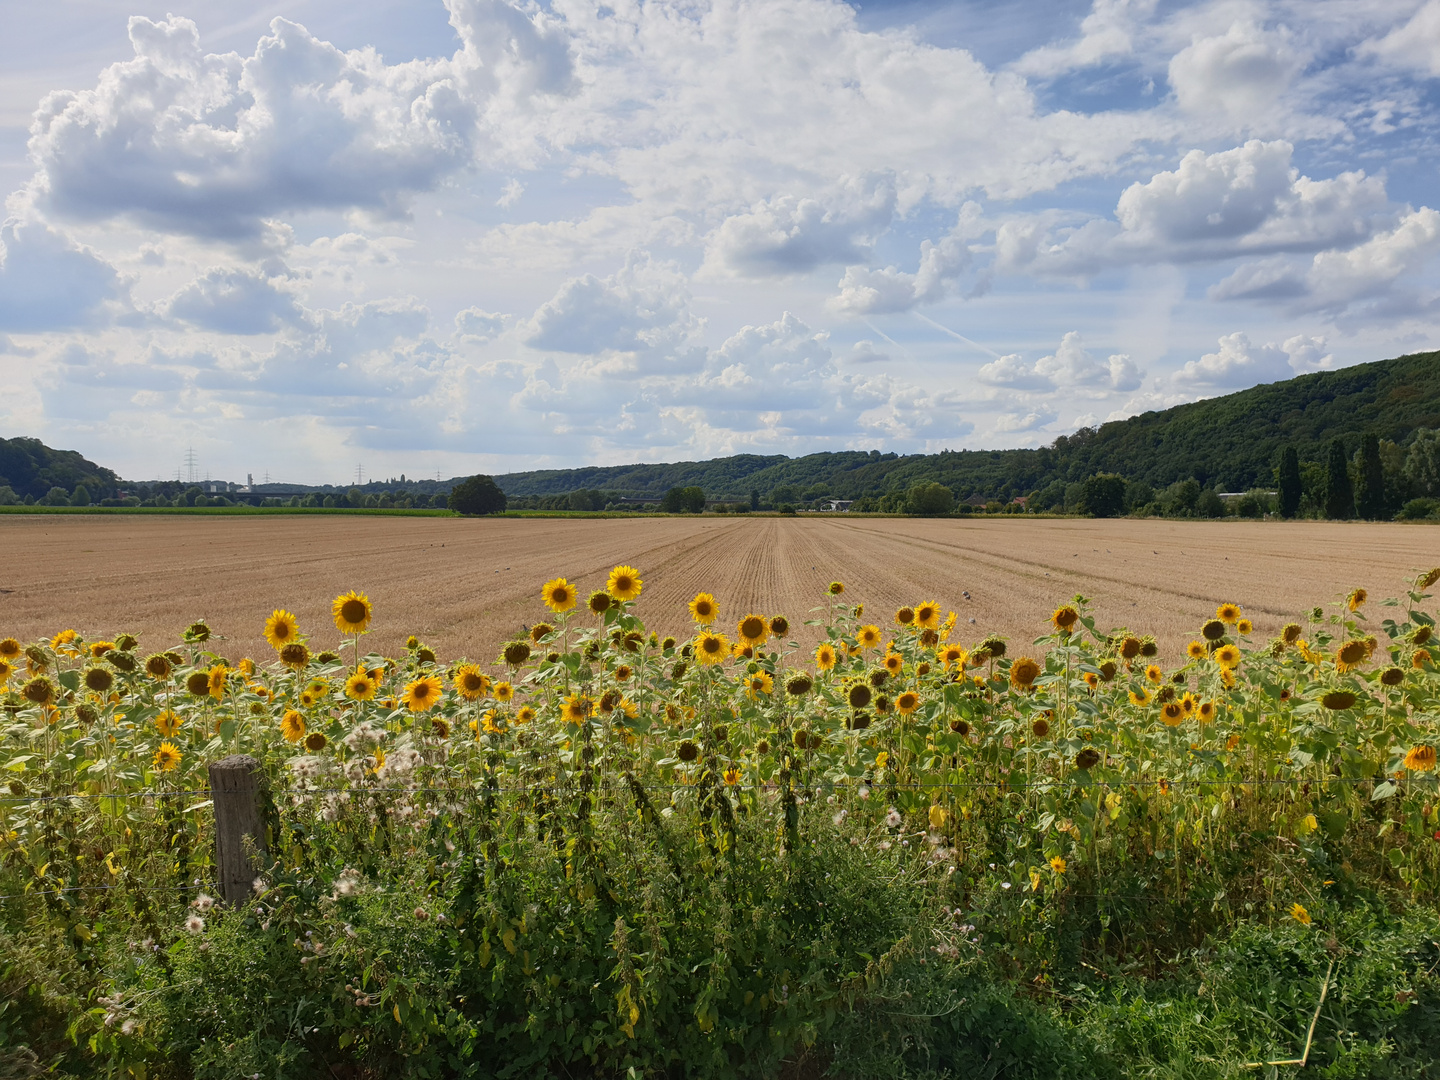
{"x":1209,"y":504}
{"x":1370,"y":491}
{"x":81,"y":496}
{"x":929,"y":500}
{"x":754,"y":499}
{"x":1103,"y":496}
{"x":1339,"y":494}
{"x":477,"y":495}
{"x":683,"y":500}
{"x":1289,"y":480}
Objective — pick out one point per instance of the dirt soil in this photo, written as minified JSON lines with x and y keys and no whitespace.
{"x":466,"y":585}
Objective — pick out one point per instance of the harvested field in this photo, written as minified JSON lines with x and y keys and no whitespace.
{"x":466,"y":585}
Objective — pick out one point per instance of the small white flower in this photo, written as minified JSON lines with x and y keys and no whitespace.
{"x":893,"y":818}
{"x":864,"y":793}
{"x":203,"y":902}
{"x":1004,"y":884}
{"x":195,"y":924}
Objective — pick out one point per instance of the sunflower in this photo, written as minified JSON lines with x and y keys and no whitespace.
{"x":953,"y":656}
{"x":1188,"y":703}
{"x":216,"y":678}
{"x":1420,"y":758}
{"x":351,"y":611}
{"x":167,"y":757}
{"x":10,"y":649}
{"x":1196,"y":650}
{"x":1207,"y":711}
{"x":907,"y":703}
{"x":281,"y":628}
{"x":1244,"y":627}
{"x":624,"y":583}
{"x":858,"y":695}
{"x":1227,"y":656}
{"x":358,"y":686}
{"x":732,"y":776}
{"x":1228,"y":613}
{"x":1420,"y":659}
{"x":703,"y":608}
{"x":524,"y":715}
{"x":894,"y":663}
{"x":757,"y":684}
{"x":1065,"y":618}
{"x":1139,"y":697}
{"x":504,"y":692}
{"x":927,"y":615}
{"x":1351,"y":655}
{"x":168,"y":723}
{"x":1092,"y":679}
{"x":296,"y":655}
{"x":869,"y":636}
{"x":599,"y":602}
{"x":559,"y":595}
{"x":100,"y":648}
{"x":1392,"y":676}
{"x":741,"y":651}
{"x":1356,"y":600}
{"x":540,"y":631}
{"x":1172,"y":713}
{"x":1213,"y":630}
{"x":1338,"y":700}
{"x":779,"y":626}
{"x":711,"y":648}
{"x":197,"y":683}
{"x":1154,"y":674}
{"x":753,"y":629}
{"x":6,"y":670}
{"x":905,"y":616}
{"x":471,"y":682}
{"x":64,"y":642}
{"x":1299,"y":914}
{"x":1290,"y":633}
{"x":825,"y":656}
{"x":423,"y":693}
{"x":1023,"y":673}
{"x":836,"y":588}
{"x":577,"y":708}
{"x":292,"y":726}
{"x":98,"y":679}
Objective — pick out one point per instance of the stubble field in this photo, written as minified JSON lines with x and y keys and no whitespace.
{"x":464,"y":586}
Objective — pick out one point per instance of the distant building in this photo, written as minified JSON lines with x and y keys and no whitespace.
{"x":839,"y":506}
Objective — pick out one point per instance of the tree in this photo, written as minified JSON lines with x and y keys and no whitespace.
{"x":1339,"y":494}
{"x":1422,"y":462}
{"x":1209,"y":504}
{"x":929,"y":500}
{"x":81,"y":496}
{"x":1370,"y":491}
{"x":1289,"y":478}
{"x":477,"y":495}
{"x":1103,"y":495}
{"x":754,"y":499}
{"x":683,"y":500}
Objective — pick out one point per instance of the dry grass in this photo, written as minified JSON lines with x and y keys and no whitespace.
{"x":466,"y":585}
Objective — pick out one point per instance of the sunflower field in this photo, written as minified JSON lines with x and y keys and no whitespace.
{"x":849,"y":844}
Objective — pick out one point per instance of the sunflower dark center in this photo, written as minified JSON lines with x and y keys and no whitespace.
{"x":353,"y":611}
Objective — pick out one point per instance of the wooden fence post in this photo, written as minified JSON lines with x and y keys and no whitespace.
{"x":235,"y":789}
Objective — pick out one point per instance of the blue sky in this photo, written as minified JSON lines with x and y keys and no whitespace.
{"x":484,"y":236}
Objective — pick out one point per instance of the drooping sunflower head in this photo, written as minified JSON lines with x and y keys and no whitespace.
{"x":471,"y":682}
{"x":316,"y":741}
{"x":624,"y":583}
{"x":99,"y":679}
{"x":753,"y":629}
{"x":292,"y":726}
{"x":540,"y":631}
{"x":1064,"y":618}
{"x":1196,"y":650}
{"x":905,"y":616}
{"x":927,"y":615}
{"x":858,"y":695}
{"x":516,"y":653}
{"x":599,"y":602}
{"x":352,"y":612}
{"x":198,"y":683}
{"x":1227,"y":656}
{"x":1392,"y":676}
{"x":281,"y":628}
{"x":798,"y":685}
{"x":1213,"y":630}
{"x":779,"y":626}
{"x":1356,"y":600}
{"x":359,"y":687}
{"x":1023,"y":672}
{"x":423,"y":694}
{"x":907,"y":703}
{"x":1338,"y":700}
{"x":1087,"y":758}
{"x":1040,"y":728}
{"x":166,"y":758}
{"x":703,"y":609}
{"x":825,"y":656}
{"x":869,"y":636}
{"x":687,"y":751}
{"x":10,"y":649}
{"x":711,"y":648}
{"x":1351,"y":655}
{"x":1228,"y":613}
{"x":38,"y":691}
{"x":1290,"y":633}
{"x":836,"y":588}
{"x":196,"y":633}
{"x":1421,"y":634}
{"x":295,"y":656}
{"x":559,"y":595}
{"x":1420,"y":758}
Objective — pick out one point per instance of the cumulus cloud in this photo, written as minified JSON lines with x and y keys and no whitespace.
{"x":864,"y":291}
{"x":643,"y":306}
{"x":1069,"y":366}
{"x":232,"y":301}
{"x":1014,"y":422}
{"x":1241,"y":73}
{"x":49,"y":283}
{"x":1412,"y":46}
{"x":478,"y":324}
{"x":1106,"y":34}
{"x":207,"y":144}
{"x":1238,"y":362}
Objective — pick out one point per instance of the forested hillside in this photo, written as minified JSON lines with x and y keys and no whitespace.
{"x":29,"y":467}
{"x":1228,"y":443}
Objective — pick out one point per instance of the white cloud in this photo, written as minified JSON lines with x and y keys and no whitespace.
{"x":1014,"y":371}
{"x":232,"y":301}
{"x":1069,"y":366}
{"x":643,"y":306}
{"x":1413,"y":46}
{"x":874,"y":292}
{"x":1241,"y":74}
{"x":50,"y":283}
{"x":1013,"y":423}
{"x":1240,"y":363}
{"x":1106,"y":34}
{"x":479,"y":325}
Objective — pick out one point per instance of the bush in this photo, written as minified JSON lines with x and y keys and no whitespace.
{"x":929,"y":500}
{"x":476,"y":496}
{"x":1419,"y":509}
{"x":683,"y":500}
{"x":1103,"y":496}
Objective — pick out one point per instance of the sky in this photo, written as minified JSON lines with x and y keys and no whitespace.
{"x":308,"y":238}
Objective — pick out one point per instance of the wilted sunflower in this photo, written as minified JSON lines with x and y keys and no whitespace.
{"x":168,"y":723}
{"x":905,"y":616}
{"x":907,"y":703}
{"x":10,"y":649}
{"x":1087,"y":758}
{"x":779,"y":626}
{"x":711,"y":648}
{"x":516,"y":653}
{"x":1227,"y":656}
{"x":281,"y":628}
{"x":753,"y":630}
{"x":540,"y":631}
{"x":292,"y":726}
{"x":38,"y":691}
{"x":624,"y":583}
{"x":471,"y":682}
{"x":687,"y":751}
{"x":1228,"y":613}
{"x":1040,"y":728}
{"x":1023,"y":672}
{"x":599,"y":602}
{"x":558,"y":595}
{"x":1213,"y":630}
{"x":166,"y":758}
{"x":352,"y":612}
{"x":1392,"y":676}
{"x":316,"y":741}
{"x":99,"y":679}
{"x":798,"y":685}
{"x":1064,"y":618}
{"x":1420,"y":758}
{"x":1290,"y":633}
{"x":703,"y":608}
{"x":198,"y":683}
{"x":1356,"y":600}
{"x":295,"y":656}
{"x":1420,"y":635}
{"x":825,"y":656}
{"x":758,"y":684}
{"x":1339,"y":699}
{"x":1351,"y":655}
{"x":836,"y":588}
{"x":358,"y":686}
{"x":1196,"y":650}
{"x":422,"y":694}
{"x":869,"y":636}
{"x":197,"y":632}
{"x":927,"y":615}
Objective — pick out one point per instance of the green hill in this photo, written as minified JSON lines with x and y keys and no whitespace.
{"x":1229,"y":443}
{"x":29,"y":467}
